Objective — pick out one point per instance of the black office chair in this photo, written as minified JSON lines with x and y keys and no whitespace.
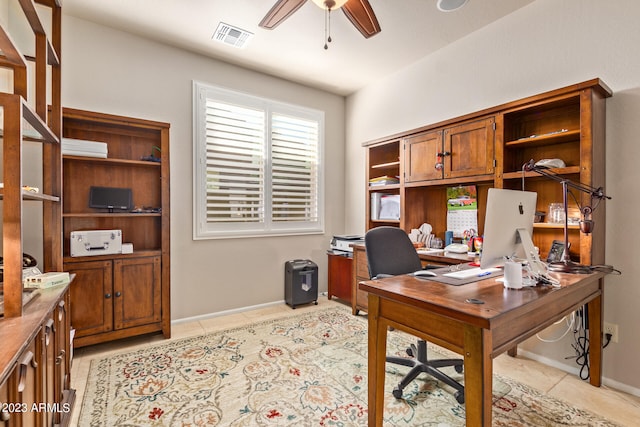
{"x":391,"y":253}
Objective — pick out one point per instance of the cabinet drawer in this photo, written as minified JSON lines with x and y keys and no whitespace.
{"x":362,"y":267}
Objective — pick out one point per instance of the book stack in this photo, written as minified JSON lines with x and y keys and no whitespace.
{"x":46,"y":280}
{"x":383,"y":180}
{"x":79,"y":147}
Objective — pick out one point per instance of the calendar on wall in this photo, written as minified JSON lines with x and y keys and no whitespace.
{"x":462,"y":209}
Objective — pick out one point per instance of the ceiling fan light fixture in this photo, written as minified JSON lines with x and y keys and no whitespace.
{"x":450,"y":5}
{"x":329,"y":4}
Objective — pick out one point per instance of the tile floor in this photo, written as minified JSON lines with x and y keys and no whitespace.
{"x":616,"y":406}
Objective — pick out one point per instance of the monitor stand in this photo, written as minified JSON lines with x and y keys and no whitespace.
{"x":535,"y":265}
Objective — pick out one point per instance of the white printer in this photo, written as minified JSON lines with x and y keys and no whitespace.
{"x":343,"y":243}
{"x":96,"y":242}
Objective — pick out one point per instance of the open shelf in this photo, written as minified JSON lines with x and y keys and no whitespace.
{"x":28,"y":195}
{"x":112,"y":161}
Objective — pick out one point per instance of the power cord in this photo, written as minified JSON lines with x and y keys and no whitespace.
{"x":608,"y":336}
{"x":570,"y":321}
{"x":581,"y":344}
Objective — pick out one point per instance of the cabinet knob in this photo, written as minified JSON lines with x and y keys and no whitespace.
{"x":5,"y":416}
{"x":107,"y":296}
{"x":118,"y":294}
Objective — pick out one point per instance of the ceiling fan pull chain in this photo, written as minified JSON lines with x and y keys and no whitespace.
{"x":327,"y":28}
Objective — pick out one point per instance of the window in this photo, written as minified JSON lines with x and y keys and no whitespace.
{"x":258,"y":166}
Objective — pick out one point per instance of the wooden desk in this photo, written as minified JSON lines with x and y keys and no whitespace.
{"x":440,"y":314}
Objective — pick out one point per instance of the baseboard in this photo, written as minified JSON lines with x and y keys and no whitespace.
{"x":575,"y":371}
{"x":225,"y":312}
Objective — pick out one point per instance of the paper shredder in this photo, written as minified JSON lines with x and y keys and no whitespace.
{"x":300,"y":282}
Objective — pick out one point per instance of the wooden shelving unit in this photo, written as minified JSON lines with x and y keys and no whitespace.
{"x":35,"y":328}
{"x":120,"y":295}
{"x":567,"y":123}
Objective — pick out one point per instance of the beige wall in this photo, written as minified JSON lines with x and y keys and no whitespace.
{"x":117,"y":73}
{"x":546,"y":45}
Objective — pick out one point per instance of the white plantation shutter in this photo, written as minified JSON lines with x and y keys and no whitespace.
{"x":294,"y":157}
{"x":235,"y":164}
{"x":258,"y":166}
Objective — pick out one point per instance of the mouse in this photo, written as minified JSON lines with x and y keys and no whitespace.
{"x":424,"y":273}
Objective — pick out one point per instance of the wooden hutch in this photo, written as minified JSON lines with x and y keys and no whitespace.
{"x":488,"y":149}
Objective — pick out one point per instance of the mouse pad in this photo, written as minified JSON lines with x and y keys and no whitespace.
{"x":458,"y":281}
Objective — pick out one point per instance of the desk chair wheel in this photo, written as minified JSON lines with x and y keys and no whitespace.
{"x":458,"y":368}
{"x":397,"y":392}
{"x":459,"y":397}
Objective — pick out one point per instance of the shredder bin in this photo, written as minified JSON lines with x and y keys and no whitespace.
{"x":300,"y":282}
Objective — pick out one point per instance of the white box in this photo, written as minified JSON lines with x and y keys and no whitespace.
{"x":96,"y":242}
{"x":127,"y":248}
{"x":47,"y":280}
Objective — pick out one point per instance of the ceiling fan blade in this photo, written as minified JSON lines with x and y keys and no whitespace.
{"x":279,"y":12}
{"x":361,"y":15}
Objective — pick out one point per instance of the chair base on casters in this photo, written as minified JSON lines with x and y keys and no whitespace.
{"x":419,"y":364}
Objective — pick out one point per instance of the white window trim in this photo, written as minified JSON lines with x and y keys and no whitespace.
{"x":204,"y":230}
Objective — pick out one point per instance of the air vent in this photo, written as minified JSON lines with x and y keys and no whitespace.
{"x":233,"y":36}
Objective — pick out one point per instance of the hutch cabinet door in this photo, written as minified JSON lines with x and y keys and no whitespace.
{"x":469,"y":149}
{"x":5,"y":416}
{"x":137,"y":291}
{"x":422,"y":161}
{"x":91,"y":297}
{"x":63,"y":350}
{"x":29,"y":381}
{"x":48,"y":365}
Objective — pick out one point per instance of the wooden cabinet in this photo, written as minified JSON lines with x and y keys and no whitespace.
{"x":119,"y":295}
{"x":463,"y":150}
{"x":34,"y":380}
{"x":423,"y":157}
{"x":5,"y":413}
{"x":360,"y":274}
{"x":112,"y":299}
{"x":339,"y":277}
{"x":33,"y":369}
{"x":488,"y":149}
{"x":91,"y":298}
{"x":469,"y":149}
{"x":136,"y":292}
{"x":29,"y":384}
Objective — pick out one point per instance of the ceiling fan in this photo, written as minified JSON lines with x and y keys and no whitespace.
{"x":359,"y":13}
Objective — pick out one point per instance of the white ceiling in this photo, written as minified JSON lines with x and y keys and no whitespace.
{"x":411,"y":30}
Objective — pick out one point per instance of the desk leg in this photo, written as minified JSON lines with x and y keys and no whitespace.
{"x":595,"y":339}
{"x":478,"y":376}
{"x":377,"y":360}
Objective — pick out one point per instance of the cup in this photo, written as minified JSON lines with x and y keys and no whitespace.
{"x":436,"y":243}
{"x":448,"y":237}
{"x":556,"y":213}
{"x":512,"y":275}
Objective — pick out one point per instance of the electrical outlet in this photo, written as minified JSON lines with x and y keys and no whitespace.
{"x":611,"y":328}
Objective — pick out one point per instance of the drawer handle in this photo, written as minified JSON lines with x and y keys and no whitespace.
{"x":60,"y":357}
{"x":48,"y":329}
{"x":24,"y":364}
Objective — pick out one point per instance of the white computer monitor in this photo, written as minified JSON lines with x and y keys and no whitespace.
{"x":508,"y":226}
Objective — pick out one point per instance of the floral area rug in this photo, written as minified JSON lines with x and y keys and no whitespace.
{"x":307,"y":369}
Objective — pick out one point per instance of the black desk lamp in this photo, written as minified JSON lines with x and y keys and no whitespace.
{"x":586,"y":225}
